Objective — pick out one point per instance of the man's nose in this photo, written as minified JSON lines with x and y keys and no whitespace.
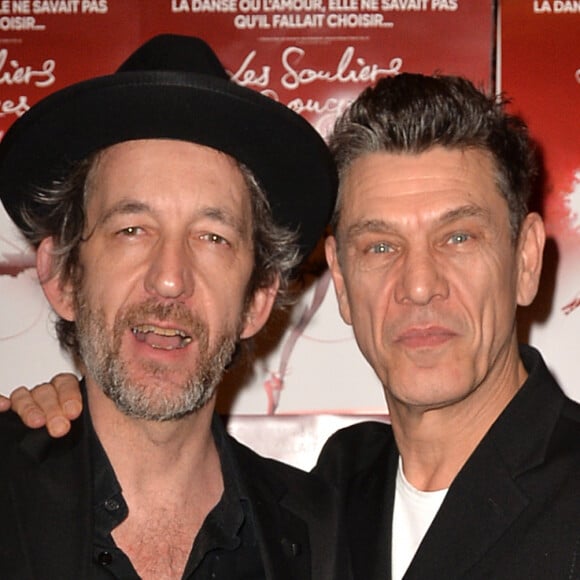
{"x":422,"y":277}
{"x":170,"y":272}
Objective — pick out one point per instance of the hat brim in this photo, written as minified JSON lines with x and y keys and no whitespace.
{"x":287,"y":156}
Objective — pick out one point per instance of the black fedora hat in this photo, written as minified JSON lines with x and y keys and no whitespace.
{"x":174,"y":87}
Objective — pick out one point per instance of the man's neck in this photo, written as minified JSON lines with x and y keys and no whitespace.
{"x":171,"y":477}
{"x":149,"y":457}
{"x":435,"y":443}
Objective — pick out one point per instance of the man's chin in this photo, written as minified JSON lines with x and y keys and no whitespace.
{"x":159,"y":407}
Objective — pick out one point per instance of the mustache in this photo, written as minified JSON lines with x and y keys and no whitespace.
{"x":175,"y":313}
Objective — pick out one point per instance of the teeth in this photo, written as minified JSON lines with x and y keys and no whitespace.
{"x":145,"y":328}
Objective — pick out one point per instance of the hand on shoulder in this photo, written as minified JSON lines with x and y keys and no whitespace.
{"x":54,"y":404}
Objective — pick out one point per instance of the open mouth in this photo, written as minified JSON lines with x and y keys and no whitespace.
{"x":161,"y":338}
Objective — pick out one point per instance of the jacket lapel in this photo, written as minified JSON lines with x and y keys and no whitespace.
{"x":371,"y":518}
{"x":281,"y":533}
{"x":485,"y":498}
{"x":50,"y":494}
{"x":480,"y":505}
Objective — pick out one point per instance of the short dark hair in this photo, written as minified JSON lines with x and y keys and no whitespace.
{"x":410,"y":113}
{"x":63,"y":217}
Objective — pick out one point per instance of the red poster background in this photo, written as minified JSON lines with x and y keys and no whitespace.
{"x":541,"y":74}
{"x":55,"y":50}
{"x":263,"y":43}
{"x":315,"y":70}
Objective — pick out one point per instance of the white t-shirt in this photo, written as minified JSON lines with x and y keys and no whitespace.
{"x":412,"y":515}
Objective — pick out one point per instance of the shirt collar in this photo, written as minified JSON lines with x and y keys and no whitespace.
{"x":230,"y":523}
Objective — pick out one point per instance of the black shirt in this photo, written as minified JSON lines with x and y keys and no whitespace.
{"x":225,"y":547}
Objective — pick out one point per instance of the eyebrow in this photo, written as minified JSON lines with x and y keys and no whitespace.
{"x":465,"y":211}
{"x":386,"y":226}
{"x":226,"y":217}
{"x":124,"y":207}
{"x":369,"y":225}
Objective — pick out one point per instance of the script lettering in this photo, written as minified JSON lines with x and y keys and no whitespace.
{"x":25,"y":75}
{"x":348,"y":70}
{"x":249,"y":77}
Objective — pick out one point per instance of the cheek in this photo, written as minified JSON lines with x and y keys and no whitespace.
{"x":369,"y":299}
{"x":487,"y":298}
{"x":110,"y":278}
{"x":222,"y":302}
{"x":103,"y":294}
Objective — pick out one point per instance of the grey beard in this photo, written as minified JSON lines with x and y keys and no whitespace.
{"x":149,"y":401}
{"x":140,"y":401}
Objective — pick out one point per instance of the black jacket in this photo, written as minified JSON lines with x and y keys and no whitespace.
{"x":46,"y":515}
{"x":513,"y":511}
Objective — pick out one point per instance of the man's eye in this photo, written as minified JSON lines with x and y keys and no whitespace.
{"x":130,"y":231}
{"x":380,"y":248}
{"x":459,"y":238}
{"x":214,"y":238}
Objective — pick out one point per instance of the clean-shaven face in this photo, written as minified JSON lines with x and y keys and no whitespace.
{"x":427,"y":273}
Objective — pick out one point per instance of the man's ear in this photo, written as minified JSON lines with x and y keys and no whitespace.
{"x":57,"y":292}
{"x":259,"y":309}
{"x":530,"y":254}
{"x":337,"y":278}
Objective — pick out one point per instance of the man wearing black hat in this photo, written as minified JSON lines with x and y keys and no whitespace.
{"x":433,"y":250}
{"x":167,"y":206}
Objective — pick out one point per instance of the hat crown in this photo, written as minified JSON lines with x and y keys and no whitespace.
{"x":172,"y":52}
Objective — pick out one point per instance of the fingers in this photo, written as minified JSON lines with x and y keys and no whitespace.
{"x":25,"y":406}
{"x":69,"y":394}
{"x":4,"y":403}
{"x":52,"y":404}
